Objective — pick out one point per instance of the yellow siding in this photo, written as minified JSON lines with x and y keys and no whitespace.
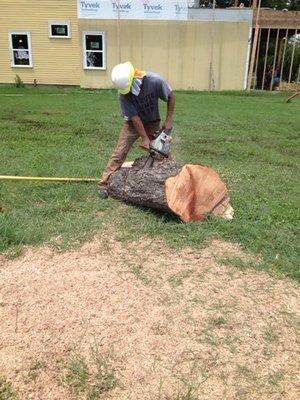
{"x":180,"y":51}
{"x":187,"y":53}
{"x":55,"y":61}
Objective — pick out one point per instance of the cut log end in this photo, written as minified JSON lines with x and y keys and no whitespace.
{"x":194,"y":192}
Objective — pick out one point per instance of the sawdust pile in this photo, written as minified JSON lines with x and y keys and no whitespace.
{"x":168,"y":323}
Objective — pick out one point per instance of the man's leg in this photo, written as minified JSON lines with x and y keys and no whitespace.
{"x":127,"y":137}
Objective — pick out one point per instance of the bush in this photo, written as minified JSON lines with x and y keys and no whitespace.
{"x":19,"y":82}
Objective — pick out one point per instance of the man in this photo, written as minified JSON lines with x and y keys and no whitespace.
{"x":139,"y":93}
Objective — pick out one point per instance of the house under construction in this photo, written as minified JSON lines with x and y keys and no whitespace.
{"x":77,"y":42}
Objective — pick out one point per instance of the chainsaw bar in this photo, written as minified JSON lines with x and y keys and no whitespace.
{"x":149,"y":162}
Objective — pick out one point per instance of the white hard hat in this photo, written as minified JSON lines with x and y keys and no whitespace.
{"x":122,"y":76}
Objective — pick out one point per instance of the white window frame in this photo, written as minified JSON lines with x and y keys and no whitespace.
{"x":12,"y":50}
{"x":84,"y":50}
{"x":50,"y":23}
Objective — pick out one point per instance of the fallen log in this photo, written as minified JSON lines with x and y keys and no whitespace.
{"x":189,"y":191}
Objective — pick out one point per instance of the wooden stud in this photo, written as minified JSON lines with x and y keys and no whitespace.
{"x":283,"y":55}
{"x":266,"y":56}
{"x":292,"y":59}
{"x":257,"y":54}
{"x":274,"y":61}
{"x":254,"y":45}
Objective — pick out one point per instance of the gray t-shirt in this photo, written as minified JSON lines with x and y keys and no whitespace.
{"x":145,"y":105}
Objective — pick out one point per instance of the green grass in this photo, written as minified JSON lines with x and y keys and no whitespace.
{"x":35,"y":369}
{"x":77,"y":375}
{"x":6,"y":390}
{"x":250,"y":139}
{"x":187,"y":395}
{"x":89,"y":380}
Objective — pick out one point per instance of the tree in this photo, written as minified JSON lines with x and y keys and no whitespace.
{"x":292,"y":51}
{"x":294,"y":5}
{"x":276,"y":4}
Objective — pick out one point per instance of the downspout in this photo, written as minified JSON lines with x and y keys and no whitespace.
{"x":211,"y":66}
{"x":118,"y":33}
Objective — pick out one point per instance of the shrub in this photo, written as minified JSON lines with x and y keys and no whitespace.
{"x":19,"y":82}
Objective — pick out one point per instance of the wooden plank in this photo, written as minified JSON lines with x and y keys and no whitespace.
{"x":277,"y":19}
{"x":283,"y":56}
{"x":292,"y":96}
{"x":257,"y":56}
{"x":266,"y":56}
{"x":274,"y":61}
{"x":292,"y":59}
{"x":254,"y":45}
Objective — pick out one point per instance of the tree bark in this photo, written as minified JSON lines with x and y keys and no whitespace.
{"x":189,"y":191}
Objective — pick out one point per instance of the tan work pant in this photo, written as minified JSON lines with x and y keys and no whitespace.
{"x":128,"y":136}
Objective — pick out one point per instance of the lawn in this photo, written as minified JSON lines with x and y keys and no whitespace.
{"x":250,"y":139}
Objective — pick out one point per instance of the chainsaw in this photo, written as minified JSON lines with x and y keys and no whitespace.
{"x":159,"y":147}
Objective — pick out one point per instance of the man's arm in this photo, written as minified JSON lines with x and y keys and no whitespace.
{"x":129,"y":112}
{"x":139,"y":127}
{"x":170,"y":110}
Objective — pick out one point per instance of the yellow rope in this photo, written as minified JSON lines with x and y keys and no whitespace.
{"x":46,"y":178}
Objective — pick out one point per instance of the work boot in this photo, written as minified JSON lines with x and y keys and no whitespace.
{"x":102,"y":192}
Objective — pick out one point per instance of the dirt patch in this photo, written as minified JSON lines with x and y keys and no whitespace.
{"x":165,"y":324}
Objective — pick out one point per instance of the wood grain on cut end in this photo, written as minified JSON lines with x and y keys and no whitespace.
{"x":194,"y":191}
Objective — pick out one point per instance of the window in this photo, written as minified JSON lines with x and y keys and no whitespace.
{"x":94,"y":50}
{"x":20,"y":46}
{"x":58,"y":29}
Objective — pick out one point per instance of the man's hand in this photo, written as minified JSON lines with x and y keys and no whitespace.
{"x":145,"y":144}
{"x":139,"y":127}
{"x":167,"y":125}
